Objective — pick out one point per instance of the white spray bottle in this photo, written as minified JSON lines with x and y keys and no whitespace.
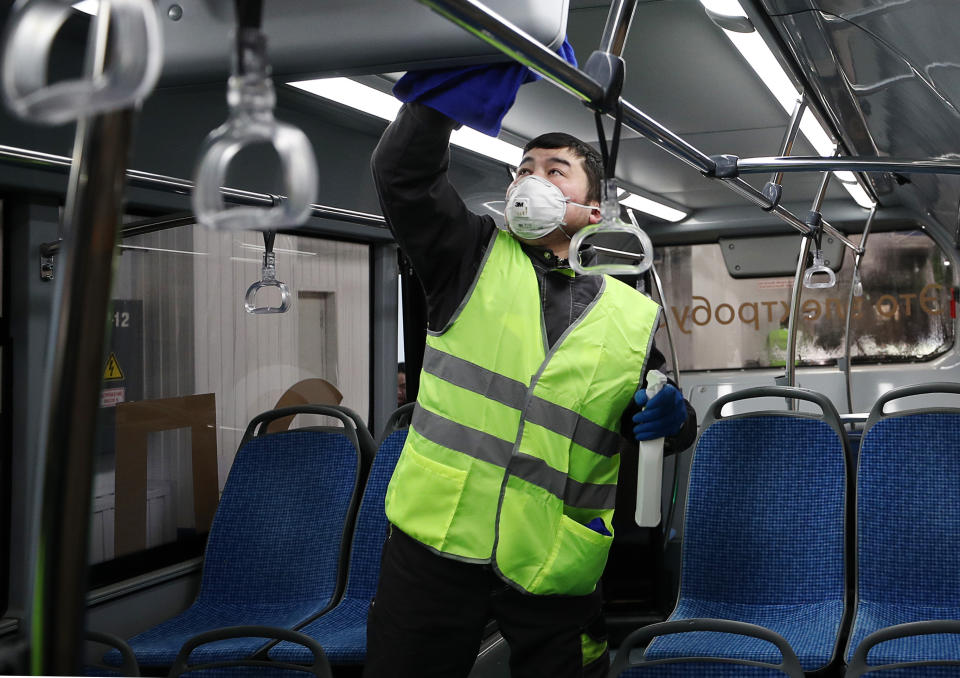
{"x":650,"y":465}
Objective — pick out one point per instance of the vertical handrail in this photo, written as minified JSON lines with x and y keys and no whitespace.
{"x":72,"y":377}
{"x":791,"y":371}
{"x":846,"y":332}
{"x":790,"y":136}
{"x":666,"y":324}
{"x":617,"y":27}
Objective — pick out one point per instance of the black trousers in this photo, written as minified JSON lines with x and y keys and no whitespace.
{"x":429,"y":615}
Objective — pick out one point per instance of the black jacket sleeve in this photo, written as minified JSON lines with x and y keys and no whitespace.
{"x":443,"y":240}
{"x":687,"y":433}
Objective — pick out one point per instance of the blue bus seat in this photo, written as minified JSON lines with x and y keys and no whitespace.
{"x":764,"y":589}
{"x":342,"y":630}
{"x":908,"y":540}
{"x":275,"y":554}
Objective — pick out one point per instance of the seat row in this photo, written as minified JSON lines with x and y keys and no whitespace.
{"x":797,"y":560}
{"x":293,"y":554}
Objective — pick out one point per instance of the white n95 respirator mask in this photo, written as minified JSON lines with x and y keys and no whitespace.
{"x":535,"y":207}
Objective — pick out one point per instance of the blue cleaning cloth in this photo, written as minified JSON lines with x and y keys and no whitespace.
{"x":597,"y":525}
{"x":477,"y":96}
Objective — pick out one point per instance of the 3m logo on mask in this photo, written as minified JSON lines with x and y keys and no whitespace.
{"x":520,"y":208}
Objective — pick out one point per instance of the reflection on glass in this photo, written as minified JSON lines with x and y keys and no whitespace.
{"x":903,"y":313}
{"x":179,"y":329}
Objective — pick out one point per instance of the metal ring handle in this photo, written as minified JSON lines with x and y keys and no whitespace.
{"x":299,"y":170}
{"x":815,"y":270}
{"x":611,"y":226}
{"x":132,"y":67}
{"x":249,"y":301}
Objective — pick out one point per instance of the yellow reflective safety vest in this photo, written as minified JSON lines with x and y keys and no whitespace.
{"x":512,"y":449}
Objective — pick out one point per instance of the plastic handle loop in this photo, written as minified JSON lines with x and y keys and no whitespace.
{"x":251,"y":98}
{"x":816,"y":268}
{"x":857,"y":285}
{"x":131,"y":70}
{"x":612,"y":223}
{"x":268,"y":279}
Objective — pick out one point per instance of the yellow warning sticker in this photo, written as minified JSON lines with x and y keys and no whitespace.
{"x":112,"y":370}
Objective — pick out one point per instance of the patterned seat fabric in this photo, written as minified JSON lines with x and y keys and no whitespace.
{"x":763,"y":544}
{"x":343,"y":630}
{"x":273,"y":554}
{"x":908,"y":538}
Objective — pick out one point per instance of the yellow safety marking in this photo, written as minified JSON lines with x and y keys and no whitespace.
{"x":112,"y":370}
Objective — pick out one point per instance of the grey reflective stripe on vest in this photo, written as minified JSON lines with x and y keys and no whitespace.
{"x":454,"y":436}
{"x":512,"y":393}
{"x":472,"y":377}
{"x":572,"y":493}
{"x":569,"y":424}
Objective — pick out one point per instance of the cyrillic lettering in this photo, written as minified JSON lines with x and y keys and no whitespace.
{"x":680,"y":321}
{"x":706,"y":309}
{"x":811,"y":309}
{"x":733,"y":314}
{"x":930,"y":303}
{"x":887,"y":306}
{"x":755,"y":318}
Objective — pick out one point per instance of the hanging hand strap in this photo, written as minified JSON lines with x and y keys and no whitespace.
{"x":268,"y":278}
{"x":818,"y":267}
{"x":251,"y":121}
{"x":610,"y":214}
{"x":132,"y":66}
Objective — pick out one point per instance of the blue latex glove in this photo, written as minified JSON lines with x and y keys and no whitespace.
{"x":597,"y":525}
{"x":477,"y":96}
{"x":663,"y":416}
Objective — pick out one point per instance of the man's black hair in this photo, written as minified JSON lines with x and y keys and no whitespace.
{"x":592,"y":162}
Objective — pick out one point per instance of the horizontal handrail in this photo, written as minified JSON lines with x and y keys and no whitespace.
{"x":505,"y":36}
{"x":798,"y":163}
{"x":59,"y":163}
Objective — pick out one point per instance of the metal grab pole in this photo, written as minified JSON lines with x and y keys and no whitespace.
{"x":837,"y":164}
{"x":790,"y":136}
{"x":666,"y":324}
{"x":791,"y":371}
{"x":853,"y":281}
{"x":72,"y":382}
{"x":617,"y":26}
{"x":138,"y":179}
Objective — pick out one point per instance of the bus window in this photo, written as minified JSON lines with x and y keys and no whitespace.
{"x":187,"y":368}
{"x":724,"y":323}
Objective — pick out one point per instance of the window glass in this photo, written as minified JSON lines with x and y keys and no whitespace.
{"x":188,"y":367}
{"x":719,"y":322}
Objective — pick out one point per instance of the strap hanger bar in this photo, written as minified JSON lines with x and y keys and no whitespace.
{"x":835,"y":164}
{"x":496,"y":31}
{"x":135,"y":178}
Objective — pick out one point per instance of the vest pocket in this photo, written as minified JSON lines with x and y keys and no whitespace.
{"x":577,"y":561}
{"x":430,"y":496}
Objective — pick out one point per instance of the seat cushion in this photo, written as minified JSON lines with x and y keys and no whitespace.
{"x":342,"y":632}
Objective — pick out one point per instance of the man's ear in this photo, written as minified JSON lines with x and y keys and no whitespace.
{"x":595,"y":216}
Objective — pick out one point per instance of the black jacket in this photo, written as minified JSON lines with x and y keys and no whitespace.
{"x":445,"y":241}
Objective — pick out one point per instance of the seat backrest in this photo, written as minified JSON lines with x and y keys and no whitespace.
{"x":766,"y":506}
{"x":908,"y":503}
{"x":277,"y":537}
{"x":371,"y":527}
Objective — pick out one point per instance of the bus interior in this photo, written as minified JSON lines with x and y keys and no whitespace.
{"x":174,"y":299}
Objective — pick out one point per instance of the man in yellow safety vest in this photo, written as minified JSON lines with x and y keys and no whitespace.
{"x":502,"y":501}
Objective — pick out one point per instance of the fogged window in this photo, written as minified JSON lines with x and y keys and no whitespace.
{"x":724,"y":323}
{"x":188,"y":367}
